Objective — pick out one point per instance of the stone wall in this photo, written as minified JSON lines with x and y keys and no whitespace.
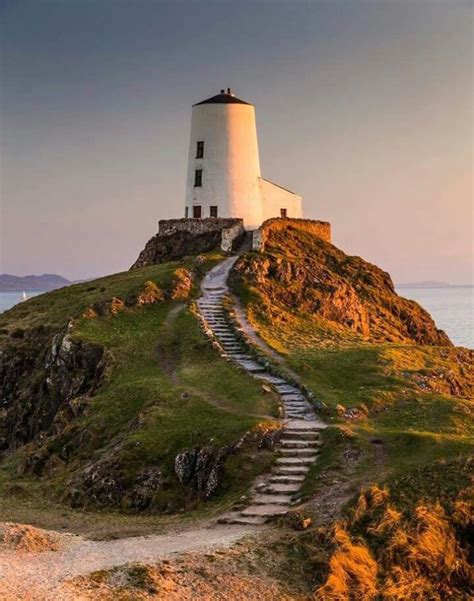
{"x":196,"y":226}
{"x":322,"y":229}
{"x":178,"y":238}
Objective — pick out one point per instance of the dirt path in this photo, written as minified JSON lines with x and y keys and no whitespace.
{"x":34,"y":576}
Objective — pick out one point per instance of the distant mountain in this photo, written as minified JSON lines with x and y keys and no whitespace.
{"x":47,"y":281}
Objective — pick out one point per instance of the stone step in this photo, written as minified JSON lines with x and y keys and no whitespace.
{"x":251,"y":366}
{"x":301,"y":434}
{"x":272,"y":499}
{"x":293,"y":397}
{"x":295,"y":461}
{"x":211,"y":303}
{"x":238,"y":518}
{"x":298,"y":452}
{"x":286,"y":388}
{"x":303,"y":406}
{"x":288,"y":479}
{"x":294,"y":414}
{"x":264,"y":510}
{"x":271,"y":379}
{"x":304,"y":425}
{"x":301,"y":444}
{"x":293,"y":470}
{"x":283,"y":489}
{"x":297,"y":414}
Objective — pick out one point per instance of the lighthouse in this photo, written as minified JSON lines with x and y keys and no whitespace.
{"x":223,"y":178}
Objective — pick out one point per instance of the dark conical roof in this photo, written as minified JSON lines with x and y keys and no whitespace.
{"x":225,"y":97}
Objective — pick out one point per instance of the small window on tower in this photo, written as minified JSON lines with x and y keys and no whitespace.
{"x":200,"y":150}
{"x":197,"y":211}
{"x":282,"y":212}
{"x":213,"y":211}
{"x":198,"y":178}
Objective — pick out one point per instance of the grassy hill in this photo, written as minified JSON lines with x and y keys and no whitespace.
{"x":113,"y":399}
{"x":97,"y":411}
{"x":398,"y":396}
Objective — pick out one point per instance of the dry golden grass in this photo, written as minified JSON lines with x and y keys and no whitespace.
{"x":399,"y":557}
{"x":352,"y":571}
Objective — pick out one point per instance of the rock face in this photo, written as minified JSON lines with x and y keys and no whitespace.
{"x":178,"y":238}
{"x":109,"y":482}
{"x":63,"y":371}
{"x":201,"y":469}
{"x":300,"y":272}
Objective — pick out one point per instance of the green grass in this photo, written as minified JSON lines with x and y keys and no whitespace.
{"x":416,"y":424}
{"x":168,"y":390}
{"x":53,"y":309}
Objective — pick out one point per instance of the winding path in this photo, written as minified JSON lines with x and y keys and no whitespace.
{"x":31,"y":576}
{"x":39,"y":576}
{"x":299,"y":445}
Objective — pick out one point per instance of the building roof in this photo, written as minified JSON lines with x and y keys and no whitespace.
{"x":225,"y":97}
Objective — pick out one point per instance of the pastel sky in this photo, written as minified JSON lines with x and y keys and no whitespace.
{"x":363,"y":108}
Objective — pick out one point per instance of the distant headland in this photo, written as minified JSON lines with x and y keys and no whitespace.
{"x":33,"y":283}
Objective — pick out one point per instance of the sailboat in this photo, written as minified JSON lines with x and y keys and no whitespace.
{"x":23,"y":296}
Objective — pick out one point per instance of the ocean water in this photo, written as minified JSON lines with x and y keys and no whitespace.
{"x":452,"y":308}
{"x":8,"y":299}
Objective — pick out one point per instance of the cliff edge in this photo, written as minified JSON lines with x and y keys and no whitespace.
{"x":300,"y":272}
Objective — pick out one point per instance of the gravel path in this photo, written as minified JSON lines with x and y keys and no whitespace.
{"x":38,"y":576}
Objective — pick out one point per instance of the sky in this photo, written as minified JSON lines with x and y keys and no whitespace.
{"x":364,"y":107}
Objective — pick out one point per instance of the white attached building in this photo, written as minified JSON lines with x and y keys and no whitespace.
{"x":224,"y":168}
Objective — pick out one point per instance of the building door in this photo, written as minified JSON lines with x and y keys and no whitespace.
{"x":213,"y":211}
{"x":282,"y":212}
{"x":197,"y":211}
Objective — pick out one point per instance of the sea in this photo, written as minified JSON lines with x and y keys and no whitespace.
{"x":9,"y":299}
{"x":452,"y":308}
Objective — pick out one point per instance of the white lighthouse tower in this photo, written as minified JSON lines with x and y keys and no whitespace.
{"x":224,"y":177}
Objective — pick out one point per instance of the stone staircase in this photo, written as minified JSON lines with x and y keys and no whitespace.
{"x":299,"y":445}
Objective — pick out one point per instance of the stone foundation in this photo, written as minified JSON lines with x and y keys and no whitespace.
{"x":177,"y":238}
{"x":322,"y":229}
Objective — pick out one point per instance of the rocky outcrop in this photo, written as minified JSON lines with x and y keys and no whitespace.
{"x":178,"y":238}
{"x":110,"y":482}
{"x":44,"y":384}
{"x":201,"y":469}
{"x":320,"y":229}
{"x":301,"y":273}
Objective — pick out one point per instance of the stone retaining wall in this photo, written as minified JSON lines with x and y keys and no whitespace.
{"x":177,"y":238}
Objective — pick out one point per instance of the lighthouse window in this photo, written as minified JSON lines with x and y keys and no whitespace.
{"x":200,"y":150}
{"x":197,"y":211}
{"x":282,"y":212}
{"x":198,"y":178}
{"x":213,"y":211}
